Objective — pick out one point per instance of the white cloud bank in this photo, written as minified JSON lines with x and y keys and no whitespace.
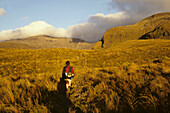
{"x":2,"y":12}
{"x":129,"y":12}
{"x":33,"y":29}
{"x":94,"y":29}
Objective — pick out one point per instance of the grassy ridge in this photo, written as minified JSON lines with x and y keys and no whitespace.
{"x":153,"y":27}
{"x":132,"y":76}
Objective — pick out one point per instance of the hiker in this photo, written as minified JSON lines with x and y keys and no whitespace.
{"x":68,"y":74}
{"x":102,"y":40}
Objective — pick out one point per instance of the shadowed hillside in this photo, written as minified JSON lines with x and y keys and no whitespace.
{"x":44,"y":41}
{"x":154,"y":27}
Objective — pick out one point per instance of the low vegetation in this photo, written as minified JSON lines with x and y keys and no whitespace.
{"x":130,"y":77}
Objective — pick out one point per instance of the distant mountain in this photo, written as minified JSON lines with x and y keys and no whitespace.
{"x":154,"y":27}
{"x":44,"y":41}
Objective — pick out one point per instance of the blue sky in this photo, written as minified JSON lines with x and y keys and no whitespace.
{"x":84,"y":19}
{"x":58,"y":13}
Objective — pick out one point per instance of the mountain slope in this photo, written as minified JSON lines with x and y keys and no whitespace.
{"x":153,"y":27}
{"x":44,"y":41}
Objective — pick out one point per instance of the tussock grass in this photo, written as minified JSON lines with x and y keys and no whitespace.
{"x":130,"y":77}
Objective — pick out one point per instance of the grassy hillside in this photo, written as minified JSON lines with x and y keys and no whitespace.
{"x":14,"y":45}
{"x":130,"y":77}
{"x":154,"y":27}
{"x":44,"y":42}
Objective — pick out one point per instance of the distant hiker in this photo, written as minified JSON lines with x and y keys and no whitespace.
{"x":68,"y":74}
{"x":102,"y":42}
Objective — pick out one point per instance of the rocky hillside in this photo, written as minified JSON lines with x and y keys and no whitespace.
{"x":154,"y":27}
{"x":44,"y":41}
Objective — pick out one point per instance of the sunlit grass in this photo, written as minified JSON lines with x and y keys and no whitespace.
{"x":130,"y":77}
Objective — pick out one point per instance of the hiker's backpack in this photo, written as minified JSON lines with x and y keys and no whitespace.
{"x":69,"y":73}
